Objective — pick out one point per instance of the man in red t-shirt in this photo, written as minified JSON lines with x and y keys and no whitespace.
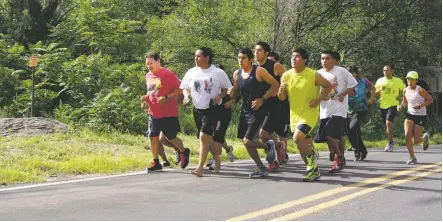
{"x":163,"y":89}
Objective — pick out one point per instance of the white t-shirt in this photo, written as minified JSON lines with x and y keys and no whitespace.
{"x":341,"y":79}
{"x":205,"y":84}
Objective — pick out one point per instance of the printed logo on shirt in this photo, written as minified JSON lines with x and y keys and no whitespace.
{"x":387,"y":90}
{"x":154,"y":84}
{"x":208,"y":86}
{"x":205,"y":84}
{"x":334,"y":91}
{"x":197,"y":86}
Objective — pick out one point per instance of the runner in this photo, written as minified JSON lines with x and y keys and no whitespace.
{"x":358,"y":107}
{"x":225,"y":112}
{"x":301,"y":86}
{"x":389,"y":88}
{"x":163,"y":140}
{"x":274,"y":57}
{"x":162,"y":89}
{"x":277,"y":118}
{"x":337,"y":58}
{"x":256,"y":86}
{"x":207,"y":85}
{"x":416,"y":99}
{"x":333,"y":110}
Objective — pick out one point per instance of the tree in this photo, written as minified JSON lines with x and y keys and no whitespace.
{"x":31,"y":20}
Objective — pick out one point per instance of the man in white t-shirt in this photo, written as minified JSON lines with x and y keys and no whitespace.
{"x":333,"y":110}
{"x":207,"y":85}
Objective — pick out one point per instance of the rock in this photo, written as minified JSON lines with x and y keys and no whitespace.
{"x":35,"y":126}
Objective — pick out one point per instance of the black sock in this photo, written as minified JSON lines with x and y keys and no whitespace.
{"x":156,"y":161}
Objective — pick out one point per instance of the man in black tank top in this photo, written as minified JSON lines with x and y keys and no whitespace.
{"x":277,"y":118}
{"x":255,"y":85}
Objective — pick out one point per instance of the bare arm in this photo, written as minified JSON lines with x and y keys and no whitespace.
{"x":348,"y":91}
{"x":372,"y":97}
{"x":327,"y":87}
{"x":162,"y":100}
{"x":428,"y":98}
{"x":177,"y":93}
{"x":282,"y":91}
{"x":263,"y":75}
{"x":352,"y":93}
{"x":223,"y":93}
{"x":186,"y":94}
{"x":279,"y":69}
{"x":220,"y":96}
{"x":235,"y":90}
{"x":144,"y":103}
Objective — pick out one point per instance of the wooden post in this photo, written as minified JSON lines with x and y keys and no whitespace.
{"x":32,"y":64}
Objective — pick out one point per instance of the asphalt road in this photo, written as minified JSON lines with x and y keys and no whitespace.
{"x":381,"y":188}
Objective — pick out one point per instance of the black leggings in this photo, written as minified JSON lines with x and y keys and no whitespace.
{"x":354,"y":134}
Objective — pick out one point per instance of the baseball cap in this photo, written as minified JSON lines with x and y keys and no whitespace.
{"x":412,"y":75}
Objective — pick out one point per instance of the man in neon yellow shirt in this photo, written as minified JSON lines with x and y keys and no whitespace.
{"x":301,"y":85}
{"x":389,"y":88}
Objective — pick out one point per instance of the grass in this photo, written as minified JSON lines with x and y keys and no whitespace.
{"x":85,"y":152}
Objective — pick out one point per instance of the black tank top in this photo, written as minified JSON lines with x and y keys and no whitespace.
{"x":269,"y":66}
{"x":251,"y":88}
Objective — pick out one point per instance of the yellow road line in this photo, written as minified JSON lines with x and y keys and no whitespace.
{"x":327,"y":193}
{"x":335,"y":202}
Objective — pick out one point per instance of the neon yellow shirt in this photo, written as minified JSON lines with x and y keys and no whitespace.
{"x":392,"y":88}
{"x":301,"y":90}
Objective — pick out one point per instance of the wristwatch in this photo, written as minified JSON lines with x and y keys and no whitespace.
{"x":167,"y":98}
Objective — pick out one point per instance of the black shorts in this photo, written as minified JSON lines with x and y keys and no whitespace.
{"x":334,"y":127}
{"x":389,"y":113}
{"x":224,"y":118}
{"x":170,"y":126}
{"x":418,"y":120}
{"x":205,"y":120}
{"x":249,"y":124}
{"x":277,"y":119}
{"x":304,"y":128}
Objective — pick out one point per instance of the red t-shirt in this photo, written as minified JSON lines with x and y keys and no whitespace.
{"x":161,"y":84}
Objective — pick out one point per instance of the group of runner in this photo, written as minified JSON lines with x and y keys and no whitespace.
{"x":276,"y":103}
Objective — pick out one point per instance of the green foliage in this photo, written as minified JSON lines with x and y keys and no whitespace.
{"x":9,"y":84}
{"x":91,"y":64}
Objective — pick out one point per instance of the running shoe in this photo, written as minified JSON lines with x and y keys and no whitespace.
{"x":259,"y":172}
